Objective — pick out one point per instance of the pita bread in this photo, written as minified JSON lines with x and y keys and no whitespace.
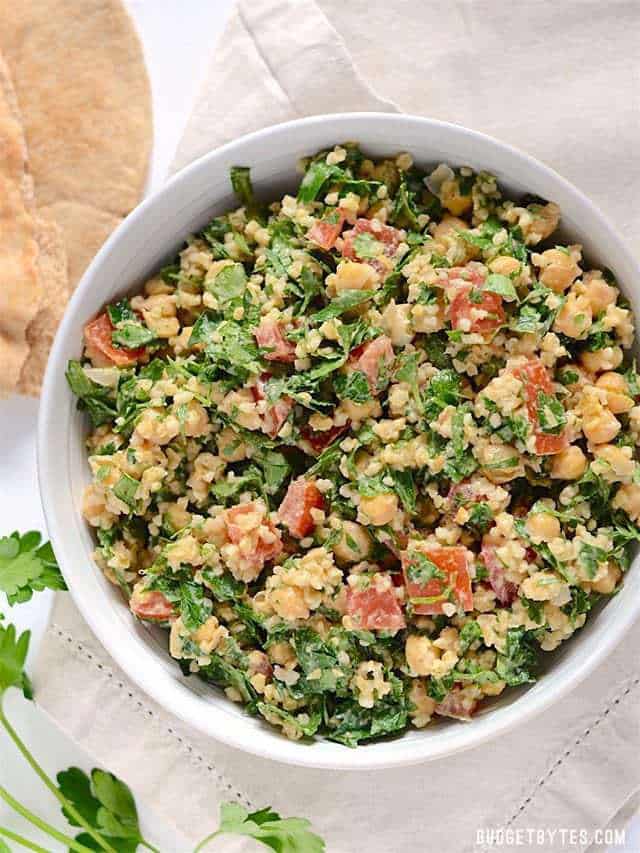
{"x":52,"y":272}
{"x":83,"y":90}
{"x":20,"y":287}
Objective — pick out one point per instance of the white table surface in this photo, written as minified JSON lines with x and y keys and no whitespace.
{"x":178,"y":36}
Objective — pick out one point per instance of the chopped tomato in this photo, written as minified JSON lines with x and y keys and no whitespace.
{"x":388,"y":237}
{"x":452,"y":561}
{"x":475,"y":310}
{"x":269,"y":335}
{"x":375,"y":608}
{"x":100,"y":348}
{"x":325,"y":232}
{"x":374,"y":359}
{"x":535,"y":377}
{"x":250,"y":520}
{"x":295,"y":510}
{"x":151,"y":604}
{"x":275,"y":415}
{"x":506,"y":591}
{"x":319,"y":439}
{"x":459,"y":704}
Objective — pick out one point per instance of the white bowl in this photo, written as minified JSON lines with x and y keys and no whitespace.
{"x":144,"y":241}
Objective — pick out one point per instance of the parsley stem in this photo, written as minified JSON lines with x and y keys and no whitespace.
{"x":206,"y":840}
{"x":37,"y":769}
{"x":30,"y":845}
{"x":149,"y":846}
{"x":41,"y":824}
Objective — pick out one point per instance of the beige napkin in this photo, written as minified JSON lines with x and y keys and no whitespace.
{"x":558,"y":80}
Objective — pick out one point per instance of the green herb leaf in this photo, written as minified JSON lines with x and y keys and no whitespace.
{"x":241,"y":182}
{"x":284,"y":835}
{"x":126,"y":489}
{"x":353,"y":386}
{"x":366,"y":246}
{"x":502,"y":285}
{"x":228,"y":286}
{"x":551,"y":414}
{"x":27,"y":566}
{"x":341,"y":304}
{"x":13,"y":654}
{"x":516,"y":666}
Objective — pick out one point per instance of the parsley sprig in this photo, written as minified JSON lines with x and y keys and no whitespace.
{"x":26,"y":566}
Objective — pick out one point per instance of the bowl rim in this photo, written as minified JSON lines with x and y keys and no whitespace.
{"x":366,"y":757}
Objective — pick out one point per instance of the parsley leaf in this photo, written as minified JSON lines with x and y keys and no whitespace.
{"x":106,"y":803}
{"x":516,"y":665}
{"x":284,"y":835}
{"x":502,"y":285}
{"x":27,"y":566}
{"x":551,"y":414}
{"x":13,"y":653}
{"x":353,"y":386}
{"x":228,"y":286}
{"x":341,"y":304}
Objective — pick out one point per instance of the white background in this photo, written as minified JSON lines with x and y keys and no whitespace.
{"x":178,"y":38}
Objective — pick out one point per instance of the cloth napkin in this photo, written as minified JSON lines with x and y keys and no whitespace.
{"x":559,"y":80}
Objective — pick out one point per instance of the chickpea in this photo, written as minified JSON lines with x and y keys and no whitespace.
{"x":618,"y":462}
{"x":606,"y":359}
{"x":575,"y":317}
{"x":230,"y":446}
{"x":452,"y":199}
{"x":379,"y":509}
{"x":504,"y":265}
{"x":599,"y":425}
{"x":396,"y":322}
{"x":598,"y":292}
{"x":448,"y":226}
{"x":289,"y":603}
{"x":196,"y":420}
{"x":421,"y":654}
{"x":500,"y":462}
{"x":159,"y":312}
{"x":545,"y":221}
{"x":177,"y":517}
{"x":542,"y":527}
{"x":354,"y":543}
{"x":569,"y":464}
{"x":618,"y":399}
{"x":558,"y":269}
{"x":628,"y":499}
{"x":354,"y":276}
{"x":608,"y":582}
{"x":357,"y":412}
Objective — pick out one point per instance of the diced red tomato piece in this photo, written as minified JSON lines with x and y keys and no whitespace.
{"x":275,"y":416}
{"x":535,"y":377}
{"x":374,"y":359}
{"x":386,"y":235}
{"x":151,"y":604}
{"x":460,"y":704}
{"x":319,"y":439}
{"x":100,"y":348}
{"x":241,"y":522}
{"x":375,"y":608}
{"x":506,"y":591}
{"x":450,"y":559}
{"x":325,"y":232}
{"x":269,"y":335}
{"x":295,"y":510}
{"x":468,"y":300}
